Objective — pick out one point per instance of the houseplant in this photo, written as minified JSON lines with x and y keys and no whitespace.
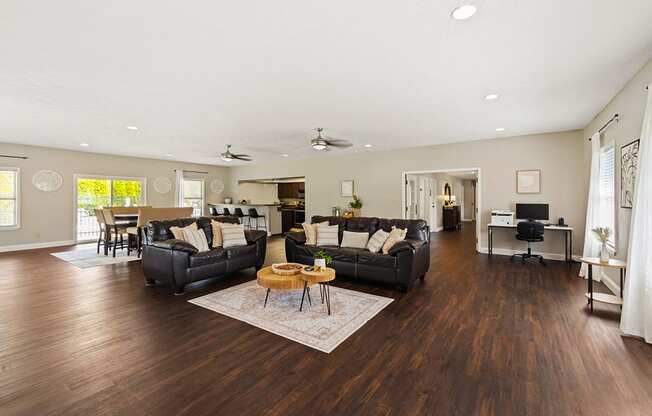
{"x":603,"y":234}
{"x":322,"y":259}
{"x":356,"y":205}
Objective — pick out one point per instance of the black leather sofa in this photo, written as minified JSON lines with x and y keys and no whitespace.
{"x":178,"y":263}
{"x":406,"y":261}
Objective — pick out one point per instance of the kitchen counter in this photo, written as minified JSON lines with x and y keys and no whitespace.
{"x":272,"y":215}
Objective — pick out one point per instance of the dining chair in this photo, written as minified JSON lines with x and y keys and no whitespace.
{"x":116,"y":229}
{"x":99,"y":216}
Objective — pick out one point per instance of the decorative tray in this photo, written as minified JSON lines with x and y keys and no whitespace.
{"x":287,"y":269}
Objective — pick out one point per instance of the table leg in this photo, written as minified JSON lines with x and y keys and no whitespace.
{"x":327,"y":289}
{"x":591,"y":287}
{"x":305,"y":286}
{"x":566,"y":246}
{"x":570,"y":245}
{"x":490,"y":240}
{"x":321,"y":292}
{"x":266,"y":296}
{"x":309,"y":300}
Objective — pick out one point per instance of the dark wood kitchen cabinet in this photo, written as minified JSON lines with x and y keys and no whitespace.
{"x":287,"y":220}
{"x":291,"y":190}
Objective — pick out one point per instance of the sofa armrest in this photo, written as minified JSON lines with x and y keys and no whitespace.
{"x":253,"y":236}
{"x":296,"y":237}
{"x":416,"y":244}
{"x":176,"y":245}
{"x":400,"y":247}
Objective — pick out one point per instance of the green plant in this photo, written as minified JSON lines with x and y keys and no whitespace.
{"x":602,"y":233}
{"x":356,"y":203}
{"x":321,"y":254}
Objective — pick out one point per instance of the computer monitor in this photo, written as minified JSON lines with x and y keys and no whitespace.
{"x":532,"y":211}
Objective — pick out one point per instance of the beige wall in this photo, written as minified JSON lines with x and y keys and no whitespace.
{"x":377,"y":175}
{"x":47,"y":217}
{"x":258,"y":193}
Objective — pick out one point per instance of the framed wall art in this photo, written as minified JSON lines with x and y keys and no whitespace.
{"x":528,"y":181}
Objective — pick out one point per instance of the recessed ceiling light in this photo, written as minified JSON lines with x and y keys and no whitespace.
{"x":464,"y":12}
{"x":84,"y":144}
{"x":368,"y":145}
{"x":132,"y":128}
{"x":285,"y":155}
{"x":491,"y":97}
{"x":500,"y":129}
{"x":169,"y":155}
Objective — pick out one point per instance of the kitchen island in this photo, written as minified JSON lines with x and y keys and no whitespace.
{"x":270,"y":211}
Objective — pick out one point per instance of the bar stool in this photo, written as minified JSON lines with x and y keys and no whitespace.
{"x":241,"y":216}
{"x":225,"y":211}
{"x":213,"y":211}
{"x":253,"y":215}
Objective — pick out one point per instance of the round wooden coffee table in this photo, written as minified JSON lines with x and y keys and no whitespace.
{"x":266,"y":278}
{"x":323,"y":279}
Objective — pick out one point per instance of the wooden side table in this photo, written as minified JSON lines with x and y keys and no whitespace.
{"x":266,"y":278}
{"x":323,"y":278}
{"x":604,"y":297}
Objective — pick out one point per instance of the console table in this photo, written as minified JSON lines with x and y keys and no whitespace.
{"x":604,"y":297}
{"x":568,"y":238}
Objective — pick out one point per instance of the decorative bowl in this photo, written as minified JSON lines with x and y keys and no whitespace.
{"x":287,"y":269}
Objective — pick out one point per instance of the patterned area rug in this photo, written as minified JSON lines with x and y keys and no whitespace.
{"x":312,"y":327}
{"x":88,"y":257}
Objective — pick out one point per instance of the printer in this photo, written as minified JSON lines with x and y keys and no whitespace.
{"x":502,"y":217}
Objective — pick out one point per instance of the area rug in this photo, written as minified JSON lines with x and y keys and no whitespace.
{"x":313,"y":327}
{"x":87,"y":257}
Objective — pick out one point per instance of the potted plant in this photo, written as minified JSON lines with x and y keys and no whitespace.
{"x":322,"y":259}
{"x":603,"y":234}
{"x":356,"y":205}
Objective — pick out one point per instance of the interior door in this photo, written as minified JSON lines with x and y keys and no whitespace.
{"x":411,"y":198}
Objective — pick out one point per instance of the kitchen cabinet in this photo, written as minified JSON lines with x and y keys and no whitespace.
{"x":287,"y":220}
{"x":291,"y":190}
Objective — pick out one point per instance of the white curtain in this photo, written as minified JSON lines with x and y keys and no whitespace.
{"x":636,"y":317}
{"x":178,"y":200}
{"x":591,"y":244}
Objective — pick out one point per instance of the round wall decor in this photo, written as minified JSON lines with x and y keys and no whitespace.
{"x":217,"y":186}
{"x":162,"y":185}
{"x":47,"y":180}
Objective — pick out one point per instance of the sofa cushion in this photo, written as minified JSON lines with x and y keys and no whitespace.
{"x":396,"y":235}
{"x":306,"y":250}
{"x":348,"y":255}
{"x":178,"y":232}
{"x":207,"y":257}
{"x":233,"y":235}
{"x":377,"y":241}
{"x":354,"y":240}
{"x":368,"y":225}
{"x":376,"y":259}
{"x":416,"y":229}
{"x":327,"y":235}
{"x":238,"y":251}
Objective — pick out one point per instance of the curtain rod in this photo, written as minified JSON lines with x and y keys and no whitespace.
{"x":191,"y":171}
{"x":608,"y":123}
{"x":14,"y":157}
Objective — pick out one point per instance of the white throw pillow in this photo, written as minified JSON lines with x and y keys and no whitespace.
{"x":394,"y":237}
{"x":177,"y":232}
{"x":233,"y":235}
{"x":217,"y":233}
{"x":377,"y":241}
{"x":197,"y":238}
{"x":327,"y":235}
{"x":311,"y":232}
{"x":354,"y":240}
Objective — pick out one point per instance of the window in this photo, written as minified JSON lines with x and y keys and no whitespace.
{"x":9,"y":198}
{"x":103,"y":191}
{"x":608,"y":191}
{"x":193,"y":195}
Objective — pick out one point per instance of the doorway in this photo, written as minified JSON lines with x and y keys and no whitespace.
{"x":447,"y":199}
{"x":92,"y":192}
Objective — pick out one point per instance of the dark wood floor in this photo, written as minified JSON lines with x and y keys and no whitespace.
{"x":478,"y":337}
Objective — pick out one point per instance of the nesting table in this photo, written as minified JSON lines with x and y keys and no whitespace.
{"x":323,"y":279}
{"x":604,"y":297}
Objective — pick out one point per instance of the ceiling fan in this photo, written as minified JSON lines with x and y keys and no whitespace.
{"x":323,"y":143}
{"x":228,"y":156}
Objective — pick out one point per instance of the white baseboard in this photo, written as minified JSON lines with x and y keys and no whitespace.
{"x":33,"y":246}
{"x":437,"y":229}
{"x":467,"y":220}
{"x":509,"y":252}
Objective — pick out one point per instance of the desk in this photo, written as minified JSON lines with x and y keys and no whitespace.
{"x":568,"y":238}
{"x":604,"y":297}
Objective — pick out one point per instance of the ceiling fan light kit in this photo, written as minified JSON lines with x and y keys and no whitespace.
{"x":320,"y":143}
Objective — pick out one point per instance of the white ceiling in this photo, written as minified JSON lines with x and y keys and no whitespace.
{"x":195,"y":75}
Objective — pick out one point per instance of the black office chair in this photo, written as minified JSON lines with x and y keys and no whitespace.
{"x":226,"y":212}
{"x":532,"y":232}
{"x":241,"y":216}
{"x":253,"y":215}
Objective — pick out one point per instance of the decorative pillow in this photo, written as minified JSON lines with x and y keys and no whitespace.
{"x":217,"y":233}
{"x":354,"y":240}
{"x":311,"y":232}
{"x":394,"y":237}
{"x":327,"y":235}
{"x":233,"y":235}
{"x":177,"y":232}
{"x":197,"y":238}
{"x":377,"y":240}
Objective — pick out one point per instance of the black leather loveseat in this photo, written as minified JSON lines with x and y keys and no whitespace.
{"x":178,"y":263}
{"x":406,"y":261}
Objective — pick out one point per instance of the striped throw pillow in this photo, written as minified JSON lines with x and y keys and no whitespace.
{"x":197,"y":238}
{"x":217,"y":233}
{"x":377,"y":240}
{"x":327,"y":235}
{"x":311,"y":232}
{"x":354,"y":240}
{"x":233,"y":235}
{"x":177,"y":232}
{"x":394,"y":237}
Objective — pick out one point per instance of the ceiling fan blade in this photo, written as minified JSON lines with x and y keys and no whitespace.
{"x":241,"y":155}
{"x":245,"y":158}
{"x":339,"y":143}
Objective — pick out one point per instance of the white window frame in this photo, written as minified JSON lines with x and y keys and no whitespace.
{"x":16,"y":226}
{"x":203,"y":193}
{"x":612,"y":243}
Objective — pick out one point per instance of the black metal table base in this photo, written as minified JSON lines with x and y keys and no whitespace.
{"x":324,"y":293}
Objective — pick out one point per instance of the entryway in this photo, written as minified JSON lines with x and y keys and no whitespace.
{"x":448,"y":200}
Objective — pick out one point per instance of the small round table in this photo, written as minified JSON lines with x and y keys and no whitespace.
{"x":266,"y":278}
{"x":323,"y":278}
{"x":604,"y":297}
